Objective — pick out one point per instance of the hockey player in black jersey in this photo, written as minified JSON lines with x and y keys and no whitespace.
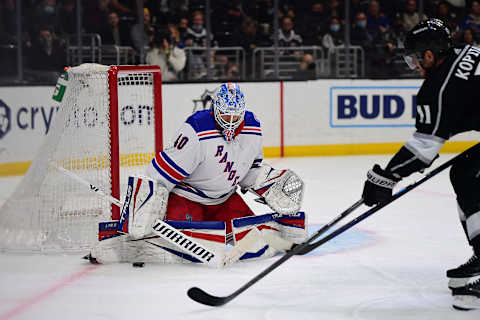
{"x":448,"y":103}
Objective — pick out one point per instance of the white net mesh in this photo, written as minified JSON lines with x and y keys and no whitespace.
{"x":50,"y":211}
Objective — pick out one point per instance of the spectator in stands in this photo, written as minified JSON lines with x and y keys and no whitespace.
{"x":229,"y":16}
{"x":141,"y":38}
{"x":469,"y":37}
{"x":231,"y":72}
{"x":395,"y":36}
{"x":197,"y":37}
{"x":114,"y":33}
{"x":357,"y":6}
{"x":306,"y":68}
{"x":334,"y":36}
{"x":314,"y":24}
{"x":360,"y":35}
{"x":179,"y":8}
{"x":335,"y":8}
{"x":46,"y":13}
{"x":472,"y":20}
{"x":376,"y":19}
{"x":120,"y":6}
{"x":411,"y":17}
{"x":287,"y":37}
{"x":165,"y":53}
{"x":265,"y":12}
{"x":248,"y":38}
{"x":47,"y":53}
{"x":197,"y":34}
{"x":176,"y":35}
{"x":445,"y":14}
{"x":394,"y":39}
{"x":7,"y":20}
{"x":372,"y":42}
{"x":95,"y":13}
{"x":182,"y":27}
{"x":68,"y":17}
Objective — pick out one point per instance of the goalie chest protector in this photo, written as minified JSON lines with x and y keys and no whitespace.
{"x":201,"y":165}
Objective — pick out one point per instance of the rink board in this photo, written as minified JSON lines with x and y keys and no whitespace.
{"x":299,"y":118}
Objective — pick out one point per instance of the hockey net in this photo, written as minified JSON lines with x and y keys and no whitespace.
{"x":108,"y":126}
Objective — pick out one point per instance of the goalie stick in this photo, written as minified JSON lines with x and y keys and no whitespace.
{"x":203,"y":297}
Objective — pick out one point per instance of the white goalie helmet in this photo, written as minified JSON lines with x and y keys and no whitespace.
{"x":229,"y":108}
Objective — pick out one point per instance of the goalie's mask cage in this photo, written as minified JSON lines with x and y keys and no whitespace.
{"x":229,"y":102}
{"x":108,"y":126}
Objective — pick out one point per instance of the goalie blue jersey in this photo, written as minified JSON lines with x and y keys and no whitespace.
{"x":202,"y":166}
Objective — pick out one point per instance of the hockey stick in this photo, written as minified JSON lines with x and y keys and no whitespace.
{"x":159,"y":228}
{"x":203,"y":297}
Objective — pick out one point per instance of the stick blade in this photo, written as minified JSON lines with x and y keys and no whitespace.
{"x":202,"y":297}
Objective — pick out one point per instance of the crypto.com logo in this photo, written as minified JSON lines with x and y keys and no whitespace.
{"x":4,"y":119}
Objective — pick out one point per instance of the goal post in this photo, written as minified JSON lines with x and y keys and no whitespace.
{"x":113,"y":80}
{"x":108,"y":125}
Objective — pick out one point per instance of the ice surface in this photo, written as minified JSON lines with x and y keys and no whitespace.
{"x":391,"y":266}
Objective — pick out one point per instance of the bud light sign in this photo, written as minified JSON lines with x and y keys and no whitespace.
{"x":373,"y":106}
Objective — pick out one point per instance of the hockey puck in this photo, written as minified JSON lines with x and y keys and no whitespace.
{"x":138,"y":264}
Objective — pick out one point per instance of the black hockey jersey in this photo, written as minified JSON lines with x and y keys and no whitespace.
{"x":448,"y":102}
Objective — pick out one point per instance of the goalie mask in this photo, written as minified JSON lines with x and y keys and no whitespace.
{"x":229,"y":108}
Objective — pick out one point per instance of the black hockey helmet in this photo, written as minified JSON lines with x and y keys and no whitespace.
{"x":431,"y":34}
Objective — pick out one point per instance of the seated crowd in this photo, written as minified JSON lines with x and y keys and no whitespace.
{"x":172,"y":29}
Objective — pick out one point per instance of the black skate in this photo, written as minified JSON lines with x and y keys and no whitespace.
{"x":468,"y":297}
{"x":460,"y":276}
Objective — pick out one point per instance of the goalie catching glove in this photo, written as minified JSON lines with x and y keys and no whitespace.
{"x":281,"y":190}
{"x":145,"y":201}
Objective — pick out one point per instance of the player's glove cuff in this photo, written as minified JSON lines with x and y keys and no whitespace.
{"x":381,"y":178}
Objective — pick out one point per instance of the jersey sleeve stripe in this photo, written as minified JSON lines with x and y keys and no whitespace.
{"x":174,"y":165}
{"x":167,"y":169}
{"x":252,"y":129}
{"x":163,"y":173}
{"x":210,"y":132}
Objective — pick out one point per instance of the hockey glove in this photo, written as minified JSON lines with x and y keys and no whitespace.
{"x":378,"y":187}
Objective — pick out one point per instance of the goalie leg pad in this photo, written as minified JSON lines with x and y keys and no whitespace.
{"x":275,"y":233}
{"x":145,"y":201}
{"x":192,"y":243}
{"x":209,"y":234}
